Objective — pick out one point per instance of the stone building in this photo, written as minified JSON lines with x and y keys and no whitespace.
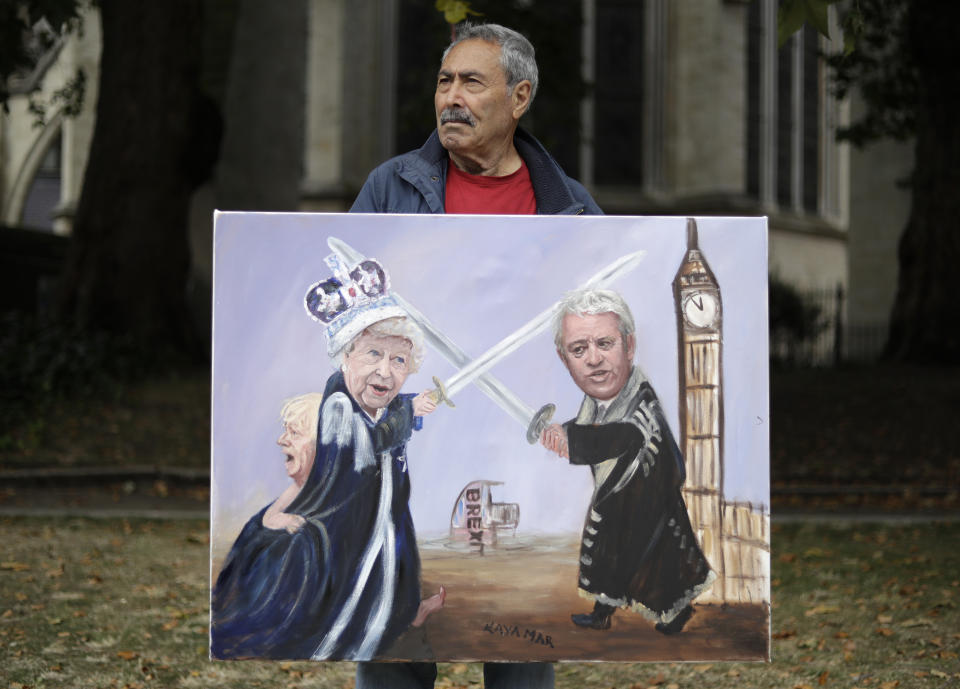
{"x":691,"y":108}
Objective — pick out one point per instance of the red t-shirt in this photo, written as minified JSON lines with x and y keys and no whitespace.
{"x":508,"y":195}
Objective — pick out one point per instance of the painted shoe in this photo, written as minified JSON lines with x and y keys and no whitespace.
{"x":675,"y":626}
{"x":593,"y":620}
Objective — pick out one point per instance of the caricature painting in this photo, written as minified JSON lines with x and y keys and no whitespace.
{"x":490,"y":438}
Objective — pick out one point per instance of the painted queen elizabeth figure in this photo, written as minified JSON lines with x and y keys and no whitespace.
{"x":330,"y":569}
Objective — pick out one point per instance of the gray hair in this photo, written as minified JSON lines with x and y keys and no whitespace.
{"x":517,"y":56}
{"x":397,"y":326}
{"x":590,"y":302}
{"x":302,"y":413}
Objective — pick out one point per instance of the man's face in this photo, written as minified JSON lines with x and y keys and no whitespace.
{"x":475,"y":111}
{"x":596,"y":354}
{"x":375,"y":369}
{"x":300,"y":447}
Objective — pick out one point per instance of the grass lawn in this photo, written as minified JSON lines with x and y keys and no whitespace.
{"x":116,"y":603}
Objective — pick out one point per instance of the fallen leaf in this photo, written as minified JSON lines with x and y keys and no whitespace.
{"x":822,"y":678}
{"x":127,"y":655}
{"x":917,"y":622}
{"x":821,"y":610}
{"x":884,"y":619}
{"x":884,"y":631}
{"x":938,"y":674}
{"x":14,"y":566}
{"x":890,"y":685}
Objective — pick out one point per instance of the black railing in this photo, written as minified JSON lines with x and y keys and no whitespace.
{"x":828,"y":337}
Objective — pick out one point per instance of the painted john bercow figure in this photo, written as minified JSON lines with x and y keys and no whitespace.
{"x":638,"y":550}
{"x":331,"y":569}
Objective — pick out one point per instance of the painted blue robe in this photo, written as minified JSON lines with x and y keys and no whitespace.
{"x":347,"y":584}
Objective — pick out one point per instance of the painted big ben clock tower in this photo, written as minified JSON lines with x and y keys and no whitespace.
{"x":699,"y":316}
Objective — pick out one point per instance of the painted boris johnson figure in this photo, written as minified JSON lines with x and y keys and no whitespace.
{"x":638,"y":550}
{"x":330,"y":569}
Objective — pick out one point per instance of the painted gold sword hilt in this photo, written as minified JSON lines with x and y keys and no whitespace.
{"x":439,"y":394}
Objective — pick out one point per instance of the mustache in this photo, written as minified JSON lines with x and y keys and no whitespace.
{"x":461,"y":115}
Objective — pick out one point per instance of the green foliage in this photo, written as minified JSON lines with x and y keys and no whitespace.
{"x":883,"y":69}
{"x":793,"y":14}
{"x":28,"y":29}
{"x":793,"y":321}
{"x":42,"y":361}
{"x":455,"y":11}
{"x":877,"y":58}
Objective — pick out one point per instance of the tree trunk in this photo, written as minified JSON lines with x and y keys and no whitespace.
{"x":129,"y":257}
{"x":925,"y":323}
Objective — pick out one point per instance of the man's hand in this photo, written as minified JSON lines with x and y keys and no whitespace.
{"x":424,"y":403}
{"x":554,"y":438}
{"x":291,"y":523}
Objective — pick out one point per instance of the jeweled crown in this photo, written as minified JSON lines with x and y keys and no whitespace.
{"x":350,"y":301}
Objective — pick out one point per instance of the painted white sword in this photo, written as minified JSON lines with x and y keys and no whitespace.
{"x":528,"y":331}
{"x":475,"y":371}
{"x":501,"y":395}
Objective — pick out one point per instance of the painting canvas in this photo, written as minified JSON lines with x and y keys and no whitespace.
{"x":533,"y":481}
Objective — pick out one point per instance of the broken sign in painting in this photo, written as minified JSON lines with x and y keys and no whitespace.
{"x":509,"y":438}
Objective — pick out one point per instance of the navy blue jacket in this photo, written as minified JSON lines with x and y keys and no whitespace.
{"x":415,"y":182}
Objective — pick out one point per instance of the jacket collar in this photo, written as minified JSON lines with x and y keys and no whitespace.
{"x":617,"y":408}
{"x":548,"y":180}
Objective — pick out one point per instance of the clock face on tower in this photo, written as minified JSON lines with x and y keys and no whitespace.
{"x":701,"y":309}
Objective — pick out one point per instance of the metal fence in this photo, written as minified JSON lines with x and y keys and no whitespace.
{"x":832,"y":339}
